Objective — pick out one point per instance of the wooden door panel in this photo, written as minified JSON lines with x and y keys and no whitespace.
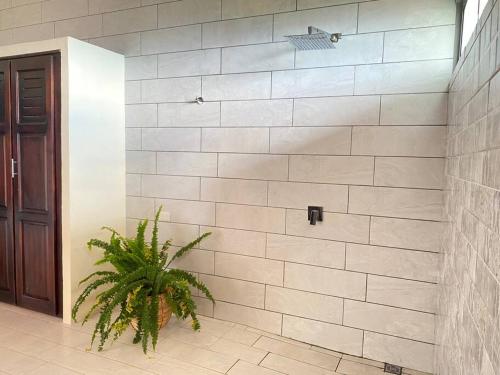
{"x":32,"y":190}
{"x":36,"y":279}
{"x":7,"y":268}
{"x":35,"y":210}
{"x":7,"y":283}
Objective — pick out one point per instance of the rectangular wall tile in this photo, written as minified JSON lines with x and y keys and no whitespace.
{"x":171,"y":40}
{"x":338,"y":227}
{"x":348,"y":110}
{"x":264,"y":219}
{"x":132,"y":92}
{"x":405,"y":77}
{"x":133,"y":184}
{"x":335,"y":81}
{"x":188,"y":115}
{"x":407,"y":294}
{"x":82,"y":28}
{"x":300,"y":195}
{"x":393,"y":14}
{"x":331,"y":336}
{"x":237,"y":86}
{"x":419,"y":44}
{"x":235,"y":291}
{"x":171,"y":139}
{"x":410,"y":172}
{"x":341,"y":19}
{"x":265,"y":320}
{"x":491,"y":169}
{"x":258,"y":57}
{"x":426,"y":141}
{"x":257,"y":113}
{"x":235,"y":241}
{"x":21,"y":16}
{"x":388,"y":261}
{"x":327,"y":281}
{"x":251,"y":192}
{"x":170,"y":89}
{"x":414,"y":109}
{"x":54,"y":10}
{"x":196,"y":260}
{"x":130,"y":20}
{"x":238,"y":32}
{"x":187,"y":163}
{"x":332,"y":169}
{"x":141,"y":162}
{"x":171,"y":187}
{"x":264,"y":167}
{"x":394,"y":202}
{"x":133,"y":139}
{"x":190,"y":63}
{"x":142,"y":67}
{"x":33,"y":33}
{"x":245,"y":140}
{"x":383,"y":319}
{"x":181,"y":235}
{"x":140,"y":208}
{"x":408,"y":234}
{"x":187,"y":212}
{"x":141,"y":115}
{"x":243,"y":8}
{"x":259,"y":270}
{"x":309,"y":140}
{"x":408,"y":353}
{"x":303,"y":304}
{"x":306,"y":250}
{"x":188,"y":12}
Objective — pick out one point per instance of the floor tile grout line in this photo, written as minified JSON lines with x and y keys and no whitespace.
{"x":285,"y":342}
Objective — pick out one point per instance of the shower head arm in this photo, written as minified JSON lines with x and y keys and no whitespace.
{"x":314,"y":30}
{"x":333,"y":37}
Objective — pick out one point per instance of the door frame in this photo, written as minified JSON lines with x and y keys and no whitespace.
{"x":8,"y":295}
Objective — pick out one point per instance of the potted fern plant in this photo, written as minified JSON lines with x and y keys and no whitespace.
{"x":142,"y":291}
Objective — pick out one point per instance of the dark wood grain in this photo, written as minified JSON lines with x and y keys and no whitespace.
{"x":7,"y":262}
{"x":35,"y":199}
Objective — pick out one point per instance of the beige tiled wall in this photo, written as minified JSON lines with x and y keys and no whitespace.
{"x":469,"y":298}
{"x":359,"y":130}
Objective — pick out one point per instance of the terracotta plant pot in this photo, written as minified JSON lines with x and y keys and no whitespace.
{"x":164,"y":314}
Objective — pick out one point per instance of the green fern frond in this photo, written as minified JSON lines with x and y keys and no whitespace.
{"x":183,"y":250}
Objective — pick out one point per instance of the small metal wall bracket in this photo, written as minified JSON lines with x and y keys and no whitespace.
{"x":314,"y":214}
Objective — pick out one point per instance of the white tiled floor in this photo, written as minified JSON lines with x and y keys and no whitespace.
{"x":32,"y":343}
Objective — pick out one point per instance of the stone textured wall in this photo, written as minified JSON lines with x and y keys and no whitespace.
{"x":359,"y":130}
{"x":469,"y":319}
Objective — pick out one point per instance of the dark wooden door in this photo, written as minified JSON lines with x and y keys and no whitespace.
{"x":35,"y":207}
{"x":7,"y":278}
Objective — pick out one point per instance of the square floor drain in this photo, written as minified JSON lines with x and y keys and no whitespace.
{"x":393,"y":369}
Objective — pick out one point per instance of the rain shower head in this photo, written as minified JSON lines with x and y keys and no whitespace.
{"x":314,"y":39}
